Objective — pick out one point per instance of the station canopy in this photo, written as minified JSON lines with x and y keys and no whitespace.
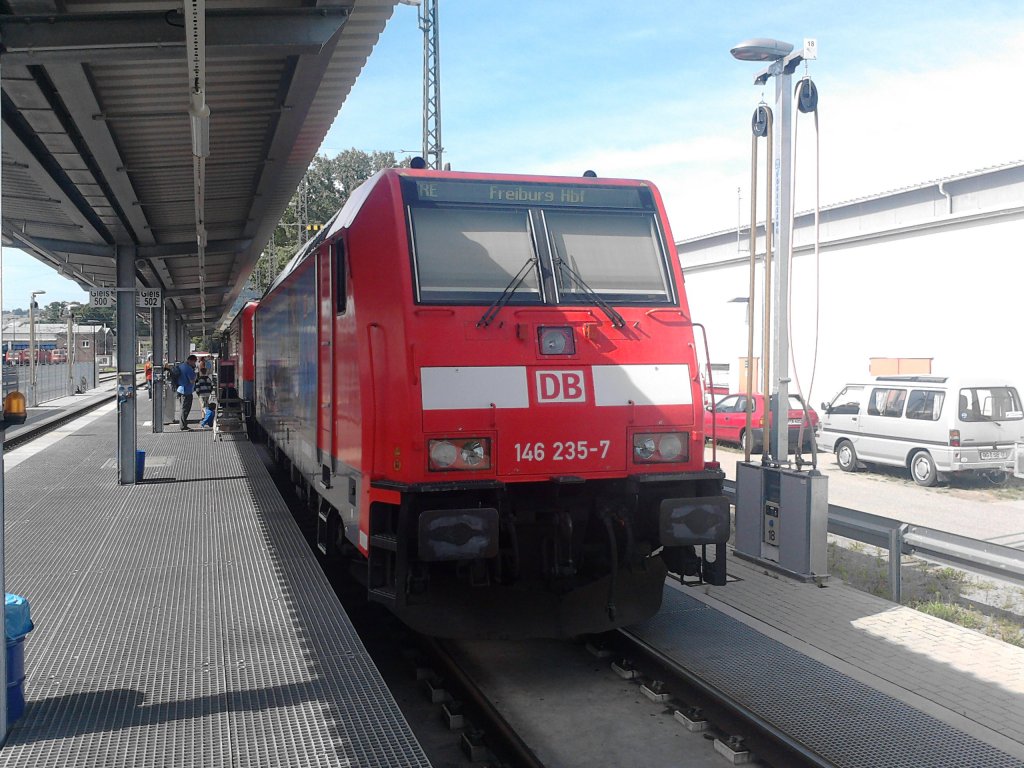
{"x":179,"y":130}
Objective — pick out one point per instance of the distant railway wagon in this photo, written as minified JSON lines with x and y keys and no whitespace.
{"x":488,"y":388}
{"x":24,"y":357}
{"x":238,"y":348}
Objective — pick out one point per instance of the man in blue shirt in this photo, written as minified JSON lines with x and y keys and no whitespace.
{"x":186,"y":386}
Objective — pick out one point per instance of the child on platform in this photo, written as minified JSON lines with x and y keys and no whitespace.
{"x":208,"y":410}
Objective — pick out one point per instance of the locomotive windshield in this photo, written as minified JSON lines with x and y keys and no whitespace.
{"x":472,"y":240}
{"x":472,"y":254}
{"x":617,"y":255}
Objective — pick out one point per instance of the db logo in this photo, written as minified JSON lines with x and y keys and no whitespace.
{"x":560,"y":387}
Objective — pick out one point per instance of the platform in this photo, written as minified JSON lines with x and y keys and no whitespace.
{"x":859,"y":680}
{"x":182,"y":621}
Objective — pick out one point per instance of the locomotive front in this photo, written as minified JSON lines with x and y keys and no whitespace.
{"x":562,"y":443}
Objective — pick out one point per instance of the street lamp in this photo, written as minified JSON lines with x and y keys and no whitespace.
{"x":32,"y":345}
{"x":781,"y":64}
{"x":69,"y":344}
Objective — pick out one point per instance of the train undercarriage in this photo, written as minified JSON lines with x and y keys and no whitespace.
{"x":542,"y":559}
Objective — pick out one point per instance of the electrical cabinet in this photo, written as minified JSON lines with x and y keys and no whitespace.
{"x":782,"y":519}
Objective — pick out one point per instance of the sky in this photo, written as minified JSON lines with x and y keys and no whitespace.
{"x":909,"y":92}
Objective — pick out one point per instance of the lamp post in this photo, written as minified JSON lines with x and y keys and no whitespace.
{"x":32,"y":345}
{"x":69,"y":345}
{"x":782,"y":62}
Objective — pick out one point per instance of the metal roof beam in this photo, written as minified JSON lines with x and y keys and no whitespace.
{"x":77,"y":95}
{"x":135,"y":36}
{"x":174,"y":293}
{"x":159,"y":251}
{"x":190,"y":248}
{"x":53,"y":182}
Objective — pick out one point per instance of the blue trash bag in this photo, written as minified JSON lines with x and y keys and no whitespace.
{"x":18,"y":623}
{"x":18,"y":617}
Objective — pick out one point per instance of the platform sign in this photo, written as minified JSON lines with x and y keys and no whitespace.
{"x":103,"y":297}
{"x":148,"y":298}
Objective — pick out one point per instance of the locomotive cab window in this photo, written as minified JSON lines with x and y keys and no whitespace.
{"x":615,"y":255}
{"x":467,"y":255}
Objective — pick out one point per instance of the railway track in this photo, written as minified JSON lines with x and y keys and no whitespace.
{"x":609,"y":701}
{"x":738,"y":733}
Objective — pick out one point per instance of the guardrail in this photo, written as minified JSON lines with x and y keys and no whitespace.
{"x":899,"y":538}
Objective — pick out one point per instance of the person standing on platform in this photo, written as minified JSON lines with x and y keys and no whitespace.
{"x":147,"y":367}
{"x":186,"y":387}
{"x":204,"y":385}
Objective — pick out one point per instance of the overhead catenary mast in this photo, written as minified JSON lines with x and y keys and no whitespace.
{"x":432,"y":147}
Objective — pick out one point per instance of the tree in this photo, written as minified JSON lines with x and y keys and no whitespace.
{"x":95,"y":315}
{"x":325,"y":188}
{"x":51,"y":313}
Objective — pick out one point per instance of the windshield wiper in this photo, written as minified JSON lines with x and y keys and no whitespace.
{"x":492,"y":311}
{"x":608,"y":309}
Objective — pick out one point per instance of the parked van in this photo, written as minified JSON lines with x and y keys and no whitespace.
{"x":932,"y":425}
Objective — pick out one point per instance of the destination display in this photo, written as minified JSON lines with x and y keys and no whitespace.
{"x":512,"y":193}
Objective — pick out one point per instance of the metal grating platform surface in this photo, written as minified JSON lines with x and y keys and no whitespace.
{"x":182,"y":621}
{"x":842,"y":720}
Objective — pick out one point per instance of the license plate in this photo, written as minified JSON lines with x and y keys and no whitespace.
{"x":794,"y":422}
{"x":993,"y":454}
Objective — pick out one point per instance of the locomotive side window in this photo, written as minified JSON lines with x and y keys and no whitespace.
{"x":470,"y":255}
{"x":340,"y":283}
{"x":616,"y":255}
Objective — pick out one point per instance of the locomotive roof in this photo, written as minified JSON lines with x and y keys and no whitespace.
{"x":347,"y":214}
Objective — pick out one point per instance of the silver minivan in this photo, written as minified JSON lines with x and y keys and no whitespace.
{"x":932,"y":425}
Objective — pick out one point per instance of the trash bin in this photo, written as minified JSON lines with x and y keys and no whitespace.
{"x":140,"y":465}
{"x":170,"y":399}
{"x":18,"y":623}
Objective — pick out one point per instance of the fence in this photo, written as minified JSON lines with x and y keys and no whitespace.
{"x":51,"y":380}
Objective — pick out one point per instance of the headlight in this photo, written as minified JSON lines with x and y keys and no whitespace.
{"x":654,"y":447}
{"x":473,"y":453}
{"x":644,"y":447}
{"x":556,"y":340}
{"x":670,"y":447}
{"x":442,"y":454}
{"x":459,"y":454}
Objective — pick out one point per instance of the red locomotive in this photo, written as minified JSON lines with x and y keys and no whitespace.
{"x":488,"y":387}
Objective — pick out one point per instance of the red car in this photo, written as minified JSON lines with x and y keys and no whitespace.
{"x":729,"y":420}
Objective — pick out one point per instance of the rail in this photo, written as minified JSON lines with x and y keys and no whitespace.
{"x":899,"y":538}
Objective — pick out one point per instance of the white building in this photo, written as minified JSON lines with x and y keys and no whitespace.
{"x":932,"y":273}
